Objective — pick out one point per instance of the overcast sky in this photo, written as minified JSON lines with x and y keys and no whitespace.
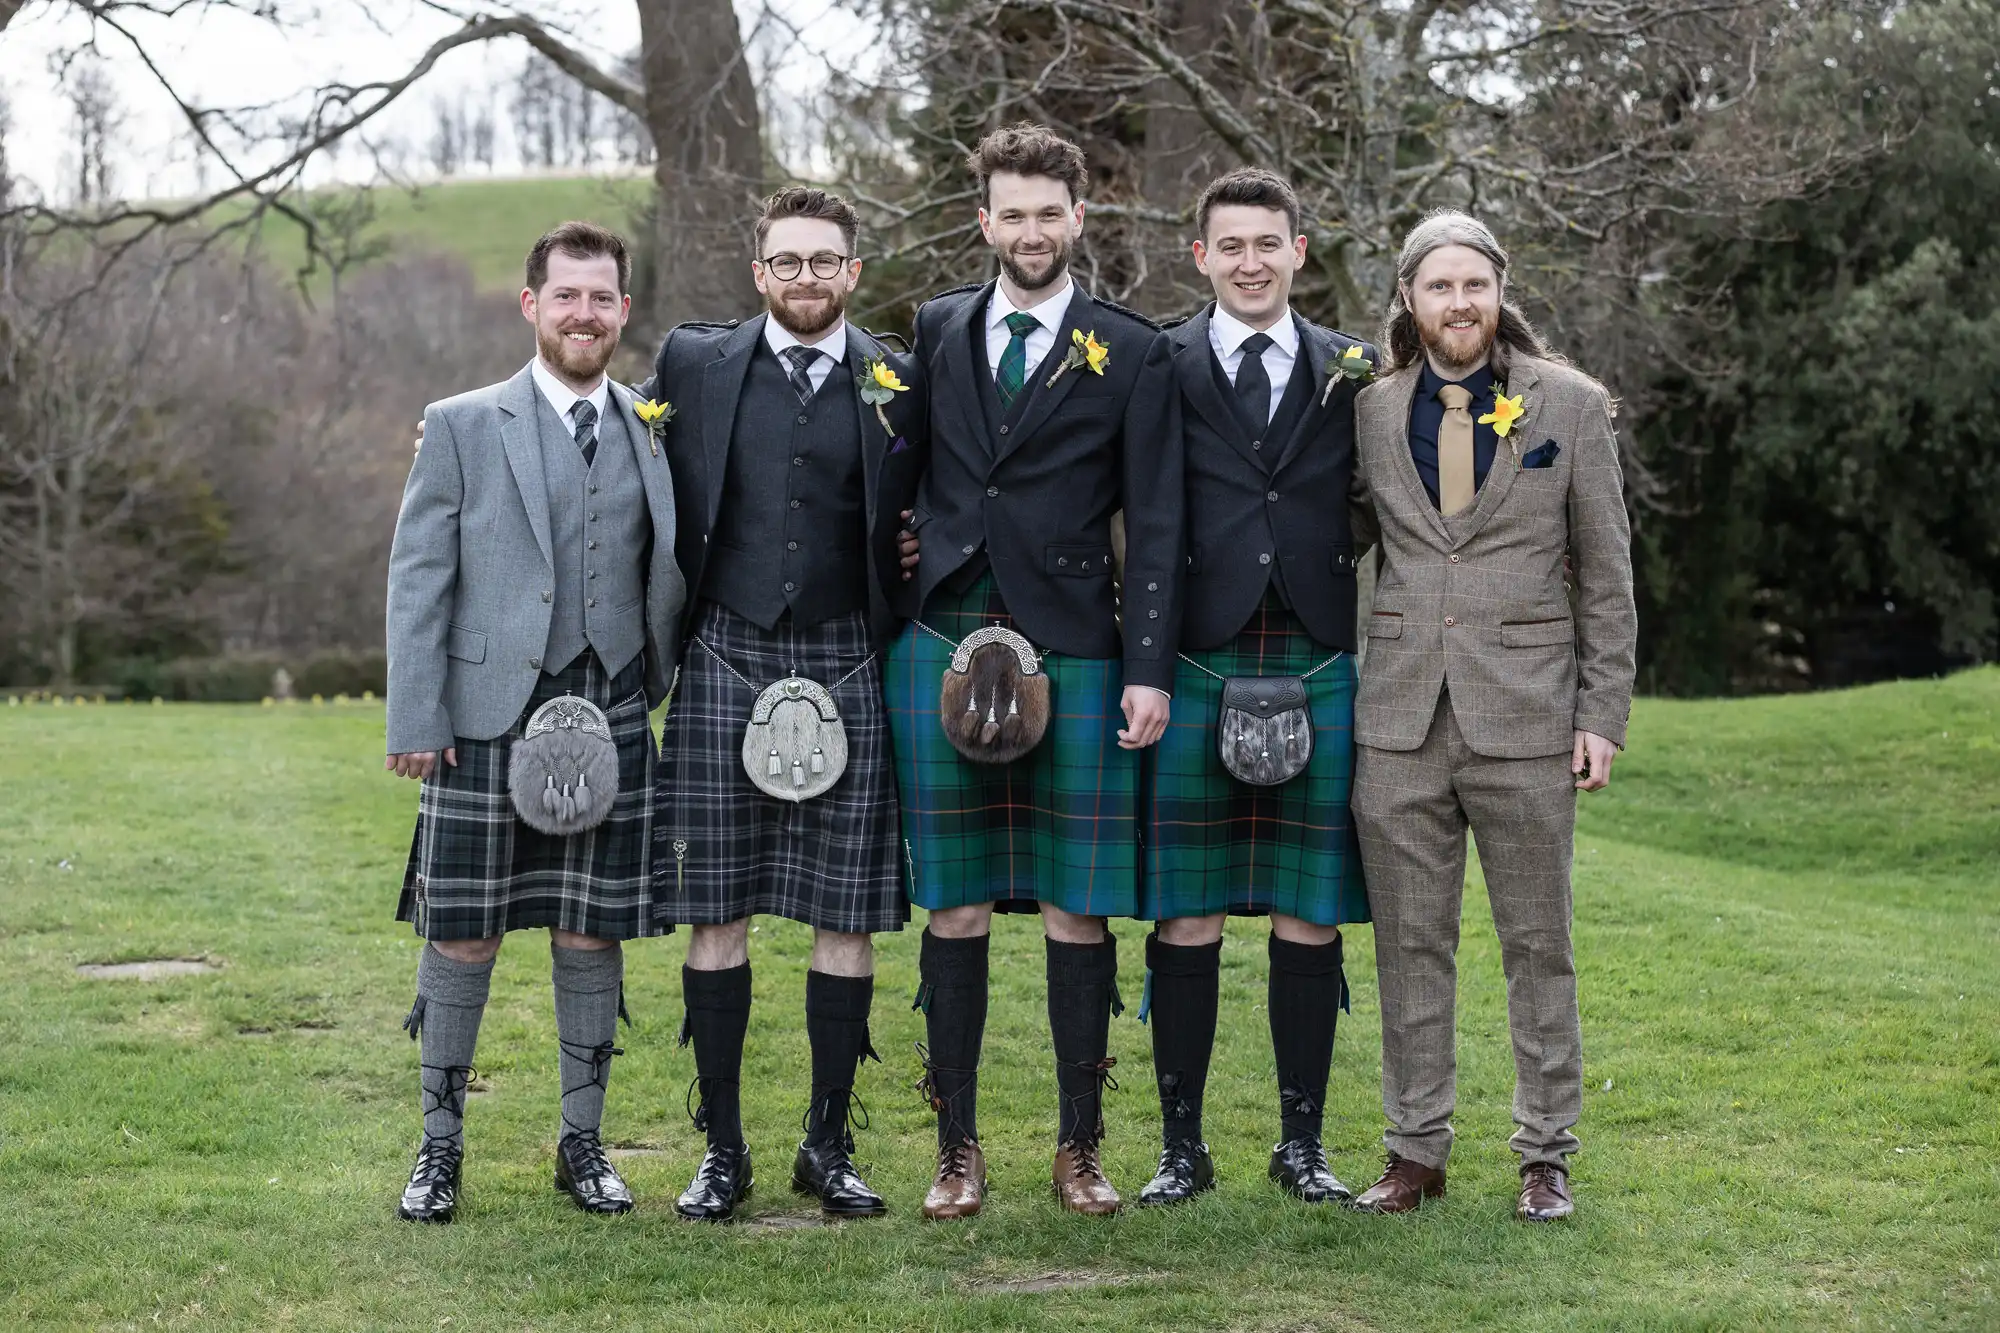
{"x":224,"y":57}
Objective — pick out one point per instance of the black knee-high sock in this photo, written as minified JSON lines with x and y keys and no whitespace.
{"x":837,"y":1026}
{"x":1082,"y":978}
{"x":718,"y":1014}
{"x":953,"y":998}
{"x":1306,"y":991}
{"x":1186,"y":978}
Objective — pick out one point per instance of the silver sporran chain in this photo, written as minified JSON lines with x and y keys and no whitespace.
{"x":794,"y":745}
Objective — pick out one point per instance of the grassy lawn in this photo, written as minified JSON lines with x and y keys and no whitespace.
{"x":1788,"y":930}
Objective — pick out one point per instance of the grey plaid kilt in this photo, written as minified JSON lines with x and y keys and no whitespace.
{"x":1055,"y":826}
{"x":1214,"y":844}
{"x":476,"y":870}
{"x":722,"y":849}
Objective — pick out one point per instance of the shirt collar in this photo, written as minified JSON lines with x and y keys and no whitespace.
{"x":561,"y":397}
{"x":1479,"y":383}
{"x":1231,"y":332}
{"x":1048,"y":313}
{"x":778,"y":338}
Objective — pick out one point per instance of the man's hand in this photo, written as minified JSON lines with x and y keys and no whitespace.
{"x":906,"y":542}
{"x":418,"y":764}
{"x":1145,"y":717}
{"x":418,"y":447}
{"x":1591,"y":761}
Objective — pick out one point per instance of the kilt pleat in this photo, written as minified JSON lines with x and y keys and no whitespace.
{"x":476,"y":870}
{"x":1214,"y":844}
{"x":725,"y":850}
{"x":1055,"y":826}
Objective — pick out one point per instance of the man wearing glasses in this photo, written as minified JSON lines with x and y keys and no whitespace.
{"x":784,"y":436}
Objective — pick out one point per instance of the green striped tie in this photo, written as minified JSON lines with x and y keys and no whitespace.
{"x":1014,"y":361}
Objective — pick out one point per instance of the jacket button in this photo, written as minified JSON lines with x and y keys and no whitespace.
{"x":795,"y":504}
{"x":1062,"y":562}
{"x":803,"y":418}
{"x":593,"y":518}
{"x":1450,"y":620}
{"x":590,"y":601}
{"x":1152,"y":587}
{"x":992,"y":492}
{"x":590,"y":546}
{"x":1264,"y":559}
{"x":593,"y":488}
{"x":1256,"y":444}
{"x":535,"y":662}
{"x":967,"y":550}
{"x":1454,"y":560}
{"x":548,"y":596}
{"x":791,"y":587}
{"x":791,"y":546}
{"x":798,"y":462}
{"x":1272,"y":496}
{"x":593,"y":574}
{"x":1145,"y":643}
{"x":1152,"y":615}
{"x":1003,"y":430}
{"x":1084,"y":565}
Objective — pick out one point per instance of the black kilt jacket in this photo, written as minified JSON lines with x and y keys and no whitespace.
{"x":1036,"y":487}
{"x":1253,"y":504}
{"x":705,"y":365}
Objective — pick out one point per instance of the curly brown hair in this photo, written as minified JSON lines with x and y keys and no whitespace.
{"x":1028,"y":149}
{"x":809,"y":201}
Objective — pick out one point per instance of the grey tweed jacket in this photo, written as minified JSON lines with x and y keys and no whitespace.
{"x":472,"y":558}
{"x":1478,"y":601}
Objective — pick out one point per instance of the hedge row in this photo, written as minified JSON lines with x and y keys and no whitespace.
{"x":246,"y":679}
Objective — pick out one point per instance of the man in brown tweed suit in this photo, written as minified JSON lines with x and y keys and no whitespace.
{"x":1490,"y":694}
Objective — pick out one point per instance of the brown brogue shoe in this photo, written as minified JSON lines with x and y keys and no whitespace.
{"x":960,"y":1187}
{"x":1544,"y":1194}
{"x":1404,"y":1185}
{"x":1080,"y":1183}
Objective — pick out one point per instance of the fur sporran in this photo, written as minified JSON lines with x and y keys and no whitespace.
{"x":1264,"y":733}
{"x":994,"y":702}
{"x":795,"y":746}
{"x":563,"y":772}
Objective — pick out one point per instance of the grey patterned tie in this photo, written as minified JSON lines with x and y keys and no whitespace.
{"x":585,"y":417}
{"x":802,"y":358}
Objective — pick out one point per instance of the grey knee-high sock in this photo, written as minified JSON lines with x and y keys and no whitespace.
{"x":451,"y":999}
{"x":587,"y":985}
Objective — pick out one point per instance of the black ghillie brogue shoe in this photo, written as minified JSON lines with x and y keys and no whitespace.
{"x":824,"y":1169}
{"x":1300,"y":1170}
{"x":719,"y":1186}
{"x":1186,"y":1170}
{"x":585,"y":1174}
{"x":432,"y":1194}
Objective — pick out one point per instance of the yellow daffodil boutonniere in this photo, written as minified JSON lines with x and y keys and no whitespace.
{"x":656,"y":415}
{"x":1352,"y":364}
{"x":1084,"y":351}
{"x":1506,"y":411}
{"x":879,"y":384}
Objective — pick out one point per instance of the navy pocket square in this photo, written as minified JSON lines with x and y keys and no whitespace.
{"x":1545,"y":456}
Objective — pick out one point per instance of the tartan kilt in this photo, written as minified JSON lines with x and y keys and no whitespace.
{"x":1214,"y":844}
{"x":1055,"y":826}
{"x":477,"y":870}
{"x":723,"y":850}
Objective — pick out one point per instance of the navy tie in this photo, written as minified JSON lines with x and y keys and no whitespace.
{"x":585,"y":417}
{"x":1253,"y":384}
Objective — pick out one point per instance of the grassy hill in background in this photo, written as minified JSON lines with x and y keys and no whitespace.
{"x":490,"y":223}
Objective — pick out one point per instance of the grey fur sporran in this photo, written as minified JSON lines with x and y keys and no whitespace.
{"x":1264,"y":733}
{"x":795,"y":746}
{"x":563,"y":772}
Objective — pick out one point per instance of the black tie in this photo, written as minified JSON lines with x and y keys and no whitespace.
{"x":802,"y":358}
{"x":585,"y":417}
{"x":1253,"y":384}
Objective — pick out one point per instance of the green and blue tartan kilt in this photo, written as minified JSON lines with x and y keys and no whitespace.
{"x":1055,"y":826}
{"x":477,"y":870}
{"x":1214,"y":844}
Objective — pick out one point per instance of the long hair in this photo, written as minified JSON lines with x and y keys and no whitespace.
{"x":1400,"y":336}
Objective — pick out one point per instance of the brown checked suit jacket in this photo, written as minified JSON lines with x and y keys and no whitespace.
{"x":1478,"y":601}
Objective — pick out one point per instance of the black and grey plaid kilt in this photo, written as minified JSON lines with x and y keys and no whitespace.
{"x":476,"y":870}
{"x":723,"y":850}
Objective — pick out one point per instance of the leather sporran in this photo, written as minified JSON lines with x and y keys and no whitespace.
{"x":994,"y":703}
{"x":563,"y":772}
{"x":1264,"y":733}
{"x":795,"y":746}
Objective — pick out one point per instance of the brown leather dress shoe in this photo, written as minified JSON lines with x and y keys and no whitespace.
{"x":1080,"y":1183}
{"x":1544,"y":1194}
{"x":1404,"y":1185}
{"x":960,"y":1187}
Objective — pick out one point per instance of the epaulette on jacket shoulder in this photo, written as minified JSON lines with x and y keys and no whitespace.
{"x":955,"y":291}
{"x":1174,"y":321}
{"x":1113,"y":305}
{"x":896,"y":342}
{"x":706,"y":324}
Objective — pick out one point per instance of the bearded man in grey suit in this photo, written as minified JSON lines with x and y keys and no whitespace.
{"x":1490,"y":694}
{"x":533,"y":559}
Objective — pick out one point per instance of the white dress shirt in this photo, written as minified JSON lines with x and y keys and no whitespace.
{"x":1226,"y":335}
{"x":834,"y":344}
{"x":562,"y":398}
{"x":1049,"y":315}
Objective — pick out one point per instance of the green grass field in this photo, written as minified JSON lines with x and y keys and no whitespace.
{"x":1788,"y":929}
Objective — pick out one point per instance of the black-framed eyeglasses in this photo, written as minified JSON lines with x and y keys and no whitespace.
{"x":786,"y":267}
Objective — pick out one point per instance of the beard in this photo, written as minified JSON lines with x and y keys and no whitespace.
{"x":574,"y":361}
{"x":1015,"y":266}
{"x":803,"y":312}
{"x":1460,"y":349}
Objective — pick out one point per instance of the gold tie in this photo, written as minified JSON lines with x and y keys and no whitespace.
{"x":1455,"y":487}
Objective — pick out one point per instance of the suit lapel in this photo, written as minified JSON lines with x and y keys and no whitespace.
{"x":523,"y":442}
{"x":1201,"y":383}
{"x":1524,"y":379}
{"x":721,"y":390}
{"x":962,"y":370}
{"x":1396,"y":436}
{"x":1311,"y":348}
{"x":875,"y":442}
{"x":653,"y":469}
{"x":1042,"y":400}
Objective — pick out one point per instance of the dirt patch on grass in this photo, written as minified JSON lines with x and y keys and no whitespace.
{"x":147,"y":969}
{"x":783,"y":1222}
{"x":1045,"y":1282}
{"x":624,"y":1150}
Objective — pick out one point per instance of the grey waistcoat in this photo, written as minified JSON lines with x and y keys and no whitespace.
{"x":600,"y":530}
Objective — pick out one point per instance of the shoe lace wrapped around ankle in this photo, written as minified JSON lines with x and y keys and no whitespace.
{"x":1102,"y":1081}
{"x":698,"y":1114}
{"x":599,"y":1057}
{"x":839,"y":1104}
{"x":1174,"y":1105}
{"x":450,"y":1098}
{"x":945,"y":1106}
{"x":1296,"y":1101}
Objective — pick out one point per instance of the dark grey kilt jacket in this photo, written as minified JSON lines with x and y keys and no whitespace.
{"x":701,"y":369}
{"x":1255,"y":504}
{"x":1036,"y":488}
